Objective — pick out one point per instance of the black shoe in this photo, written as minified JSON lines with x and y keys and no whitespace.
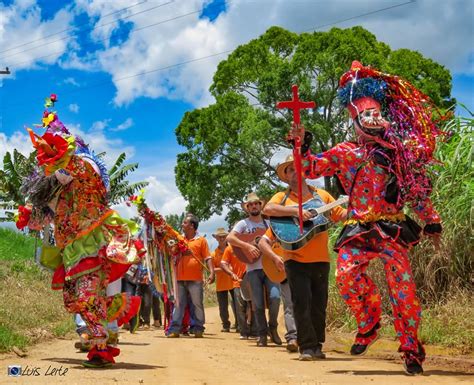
{"x":225,"y":330}
{"x":274,"y":337}
{"x":262,"y":341}
{"x":412,"y":364}
{"x":359,"y":349}
{"x":318,"y":353}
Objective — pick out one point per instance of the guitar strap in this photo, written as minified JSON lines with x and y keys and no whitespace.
{"x":287,"y":194}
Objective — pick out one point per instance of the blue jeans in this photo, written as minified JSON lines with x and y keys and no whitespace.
{"x":194,"y":290}
{"x":258,"y":280}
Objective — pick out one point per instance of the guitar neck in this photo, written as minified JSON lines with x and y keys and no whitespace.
{"x":330,"y":206}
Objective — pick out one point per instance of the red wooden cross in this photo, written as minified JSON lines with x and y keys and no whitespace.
{"x":296,"y":105}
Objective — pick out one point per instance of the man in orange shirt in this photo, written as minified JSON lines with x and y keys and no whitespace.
{"x":190,"y":279}
{"x":307,"y":268}
{"x":224,"y":284}
{"x":236,"y":270}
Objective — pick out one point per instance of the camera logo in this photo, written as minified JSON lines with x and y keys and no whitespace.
{"x":14,"y":370}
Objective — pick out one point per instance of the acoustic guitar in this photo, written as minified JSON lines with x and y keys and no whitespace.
{"x":287,"y":229}
{"x":242,"y":254}
{"x":270,"y":268}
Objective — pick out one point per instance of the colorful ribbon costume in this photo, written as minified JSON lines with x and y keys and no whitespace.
{"x":95,"y":245}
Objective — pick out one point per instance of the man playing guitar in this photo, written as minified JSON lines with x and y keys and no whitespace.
{"x":255,"y":225}
{"x":307,"y":268}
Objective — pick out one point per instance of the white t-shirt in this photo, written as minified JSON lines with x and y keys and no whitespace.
{"x":246,"y":226}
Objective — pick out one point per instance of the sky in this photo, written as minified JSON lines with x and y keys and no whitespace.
{"x":126,"y":71}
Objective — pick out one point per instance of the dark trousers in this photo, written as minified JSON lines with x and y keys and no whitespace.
{"x":223,"y":301}
{"x":309,"y":293}
{"x":149,"y":303}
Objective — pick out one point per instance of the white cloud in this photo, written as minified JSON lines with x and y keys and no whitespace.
{"x":100,"y":125}
{"x":442,"y":33}
{"x":18,"y":140}
{"x":74,"y":108}
{"x":71,"y":81}
{"x":123,"y":126}
{"x":21,"y":23}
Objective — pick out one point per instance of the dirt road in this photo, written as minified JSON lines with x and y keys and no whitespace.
{"x":221,"y":358}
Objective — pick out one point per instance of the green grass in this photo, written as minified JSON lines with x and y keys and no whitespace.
{"x":15,"y":246}
{"x":29,"y":310}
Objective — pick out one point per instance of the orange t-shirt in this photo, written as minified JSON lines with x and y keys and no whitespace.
{"x":316,"y":250}
{"x":191,"y":264}
{"x":238,"y":267}
{"x":223,"y":280}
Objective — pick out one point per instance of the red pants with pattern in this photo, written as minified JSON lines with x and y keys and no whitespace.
{"x":86,"y":295}
{"x":362,"y":295}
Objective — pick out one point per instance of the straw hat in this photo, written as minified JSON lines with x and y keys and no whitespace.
{"x":252,"y":197}
{"x":220,"y":232}
{"x":282,"y":168}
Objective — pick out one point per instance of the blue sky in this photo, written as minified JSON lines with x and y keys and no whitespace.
{"x":90,"y":52}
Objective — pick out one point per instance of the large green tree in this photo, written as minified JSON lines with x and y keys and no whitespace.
{"x":230,"y":144}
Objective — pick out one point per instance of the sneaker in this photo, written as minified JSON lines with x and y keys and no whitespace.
{"x":198,"y":334}
{"x":144,"y":327}
{"x":157,"y":324}
{"x":363,"y":341}
{"x":234,"y":327}
{"x":172,"y":335}
{"x":262,"y":341}
{"x":244,"y":337}
{"x":274,"y":337}
{"x":306,"y":355}
{"x":412,"y":364}
{"x":96,"y":362}
{"x":225,"y":330}
{"x":318,"y":354}
{"x":292,"y":346}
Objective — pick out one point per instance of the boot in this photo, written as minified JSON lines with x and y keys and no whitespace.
{"x":274,"y":336}
{"x":262,"y":341}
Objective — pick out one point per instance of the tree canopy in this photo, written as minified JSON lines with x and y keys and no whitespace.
{"x":230,"y":144}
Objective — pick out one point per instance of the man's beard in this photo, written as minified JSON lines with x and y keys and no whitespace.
{"x":255,"y":213}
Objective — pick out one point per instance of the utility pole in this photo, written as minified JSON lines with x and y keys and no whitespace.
{"x":6,"y":71}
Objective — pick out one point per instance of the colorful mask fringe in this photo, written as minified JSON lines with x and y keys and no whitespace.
{"x":413,"y":129}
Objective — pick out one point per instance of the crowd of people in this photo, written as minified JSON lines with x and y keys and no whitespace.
{"x":100,"y":262}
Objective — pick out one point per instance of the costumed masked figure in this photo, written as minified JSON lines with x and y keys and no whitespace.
{"x":165,"y":246}
{"x":94,"y":245}
{"x":381,"y":172}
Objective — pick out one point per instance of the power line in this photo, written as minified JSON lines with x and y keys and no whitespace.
{"x":224,"y":52}
{"x":69,"y":29}
{"x":228,"y":51}
{"x":361,"y":15}
{"x":96,"y":27}
{"x":103,"y":40}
